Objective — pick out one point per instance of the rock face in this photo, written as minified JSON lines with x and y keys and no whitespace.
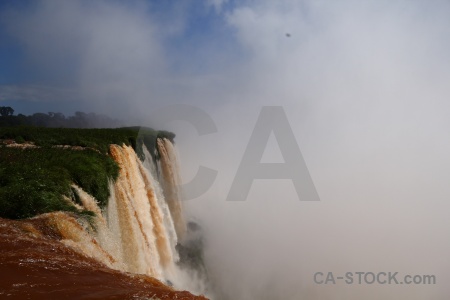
{"x":35,"y":264}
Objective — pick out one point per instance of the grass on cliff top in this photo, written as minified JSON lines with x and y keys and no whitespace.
{"x":98,"y":139}
{"x":35,"y":180}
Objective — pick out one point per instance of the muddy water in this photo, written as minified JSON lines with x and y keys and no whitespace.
{"x":34,"y":264}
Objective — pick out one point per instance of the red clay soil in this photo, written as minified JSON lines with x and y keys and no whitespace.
{"x":35,"y":265}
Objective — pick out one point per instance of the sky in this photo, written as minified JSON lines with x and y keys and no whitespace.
{"x":73,"y":52}
{"x":364,"y":87}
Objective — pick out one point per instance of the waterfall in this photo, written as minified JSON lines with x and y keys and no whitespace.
{"x":142,"y":229}
{"x":138,"y":217}
{"x":103,"y":232}
{"x":74,"y":235}
{"x":139,"y":229}
{"x":171,"y":183}
{"x":167,"y":217}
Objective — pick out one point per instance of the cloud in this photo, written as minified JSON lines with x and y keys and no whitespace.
{"x":111,"y":53}
{"x":365,"y":88}
{"x":364,"y":85}
{"x":217,"y":4}
{"x":35,"y":93}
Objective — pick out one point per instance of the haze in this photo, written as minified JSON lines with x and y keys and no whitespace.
{"x":364,"y":85}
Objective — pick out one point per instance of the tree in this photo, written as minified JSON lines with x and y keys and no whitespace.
{"x":39,"y":119}
{"x":6,"y":111}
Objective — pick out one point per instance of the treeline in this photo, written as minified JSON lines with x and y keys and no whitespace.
{"x":57,"y":120}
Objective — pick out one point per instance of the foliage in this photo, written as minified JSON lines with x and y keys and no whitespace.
{"x":35,"y":180}
{"x":6,"y":111}
{"x":98,"y":139}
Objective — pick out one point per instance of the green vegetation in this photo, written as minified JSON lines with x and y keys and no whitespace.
{"x":36,"y":180}
{"x":98,"y":139}
{"x":6,"y":111}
